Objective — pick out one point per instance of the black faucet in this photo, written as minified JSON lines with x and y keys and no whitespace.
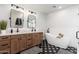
{"x":17,"y":29}
{"x":11,"y":30}
{"x":33,"y":29}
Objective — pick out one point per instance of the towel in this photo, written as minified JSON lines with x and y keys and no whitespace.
{"x":18,"y":21}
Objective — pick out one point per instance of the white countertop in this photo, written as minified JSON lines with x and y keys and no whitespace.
{"x":5,"y":34}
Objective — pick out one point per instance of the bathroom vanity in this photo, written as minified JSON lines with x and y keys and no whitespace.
{"x":15,"y":43}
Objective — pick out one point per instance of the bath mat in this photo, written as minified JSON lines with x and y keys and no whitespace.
{"x":34,"y":50}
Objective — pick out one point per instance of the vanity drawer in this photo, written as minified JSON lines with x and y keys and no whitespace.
{"x":23,"y":36}
{"x":4,"y":45}
{"x":3,"y":38}
{"x":29,"y":36}
{"x":29,"y":42}
{"x":15,"y":36}
{"x":30,"y":45}
{"x":5,"y":51}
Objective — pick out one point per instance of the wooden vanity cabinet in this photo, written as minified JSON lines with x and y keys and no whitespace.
{"x":15,"y":44}
{"x":18,"y":43}
{"x":37,"y":38}
{"x":4,"y":44}
{"x":40,"y":37}
{"x":22,"y":42}
{"x":29,"y":40}
{"x":5,"y":51}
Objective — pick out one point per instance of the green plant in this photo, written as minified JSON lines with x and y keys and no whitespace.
{"x":3,"y":24}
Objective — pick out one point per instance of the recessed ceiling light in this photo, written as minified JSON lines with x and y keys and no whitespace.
{"x":59,"y":7}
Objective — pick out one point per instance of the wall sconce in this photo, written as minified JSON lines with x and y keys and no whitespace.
{"x":32,"y":12}
{"x":16,"y":6}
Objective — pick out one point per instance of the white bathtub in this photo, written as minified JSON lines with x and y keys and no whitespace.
{"x":63,"y":42}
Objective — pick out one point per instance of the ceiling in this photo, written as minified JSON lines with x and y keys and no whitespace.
{"x":45,"y":8}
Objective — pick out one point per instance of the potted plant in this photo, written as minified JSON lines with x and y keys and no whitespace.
{"x":3,"y":25}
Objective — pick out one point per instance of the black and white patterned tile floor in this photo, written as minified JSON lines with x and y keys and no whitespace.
{"x":51,"y":49}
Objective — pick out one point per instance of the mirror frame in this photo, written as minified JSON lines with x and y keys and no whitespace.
{"x":29,"y":19}
{"x":11,"y":19}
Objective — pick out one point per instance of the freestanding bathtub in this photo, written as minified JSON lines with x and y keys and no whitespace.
{"x":51,"y":39}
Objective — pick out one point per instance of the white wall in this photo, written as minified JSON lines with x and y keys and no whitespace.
{"x":65,"y":21}
{"x":5,"y":12}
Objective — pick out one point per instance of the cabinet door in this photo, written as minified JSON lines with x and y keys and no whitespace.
{"x":40,"y":37}
{"x":4,"y":38}
{"x":5,"y":51}
{"x":22,"y":42}
{"x":35,"y":38}
{"x":14,"y":44}
{"x":29,"y":41}
{"x":5,"y":46}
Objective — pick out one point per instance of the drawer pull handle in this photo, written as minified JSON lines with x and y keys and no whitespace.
{"x":30,"y":45}
{"x":29,"y":39}
{"x":5,"y":38}
{"x":4,"y":52}
{"x":4,"y":45}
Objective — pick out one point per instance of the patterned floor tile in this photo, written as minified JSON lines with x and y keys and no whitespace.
{"x":52,"y":49}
